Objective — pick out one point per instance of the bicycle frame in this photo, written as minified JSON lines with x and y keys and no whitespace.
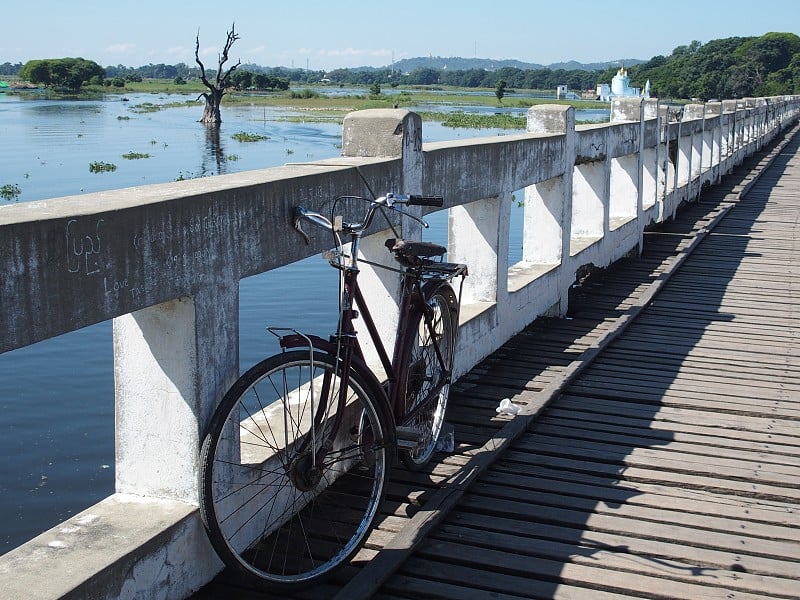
{"x":415,"y":290}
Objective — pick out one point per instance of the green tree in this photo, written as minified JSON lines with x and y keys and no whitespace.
{"x":36,"y":71}
{"x":425,"y":76}
{"x":242,"y":80}
{"x":69,"y":73}
{"x":500,"y":89}
{"x":725,"y":68}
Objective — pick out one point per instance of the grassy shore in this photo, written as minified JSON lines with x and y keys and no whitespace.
{"x":316,"y":102}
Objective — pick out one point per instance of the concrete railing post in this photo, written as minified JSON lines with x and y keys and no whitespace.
{"x":172,"y":362}
{"x":649,"y":150}
{"x":625,"y":180}
{"x":696,"y":112}
{"x":714,"y":113}
{"x":549,"y":207}
{"x":391,"y":133}
{"x":728,"y":146}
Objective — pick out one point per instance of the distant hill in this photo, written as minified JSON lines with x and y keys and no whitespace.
{"x":455,"y":63}
{"x":598,"y":66}
{"x":735,"y":67}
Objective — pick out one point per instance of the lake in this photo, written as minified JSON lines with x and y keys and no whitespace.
{"x":57,"y":399}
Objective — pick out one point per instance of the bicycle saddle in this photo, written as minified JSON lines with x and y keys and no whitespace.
{"x":413,"y":253}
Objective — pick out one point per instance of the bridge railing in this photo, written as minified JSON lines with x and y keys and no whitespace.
{"x":164,"y":262}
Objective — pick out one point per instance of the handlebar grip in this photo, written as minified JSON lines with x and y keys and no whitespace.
{"x":417,"y":200}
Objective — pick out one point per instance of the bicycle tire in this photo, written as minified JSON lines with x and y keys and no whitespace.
{"x":272,"y":518}
{"x":424,"y":374}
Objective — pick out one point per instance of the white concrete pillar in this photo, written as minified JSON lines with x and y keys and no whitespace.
{"x":714,"y":110}
{"x":650,"y":194}
{"x":589,"y":212}
{"x":668,"y":155}
{"x":550,"y":216}
{"x":624,"y":201}
{"x":695,"y":112}
{"x":685,"y":154}
{"x":478,"y":237}
{"x":548,"y":205}
{"x":544,"y":216}
{"x":623,"y":190}
{"x":172,"y":364}
{"x":728,"y":145}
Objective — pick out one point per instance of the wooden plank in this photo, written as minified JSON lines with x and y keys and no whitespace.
{"x":614,"y":492}
{"x":698,"y":481}
{"x":485,"y":493}
{"x":711,"y":419}
{"x":569,"y":424}
{"x":623,"y":553}
{"x":489,"y":583}
{"x":578,"y":574}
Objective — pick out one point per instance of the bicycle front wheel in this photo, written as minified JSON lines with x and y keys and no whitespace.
{"x":294,"y":469}
{"x":427,"y":386}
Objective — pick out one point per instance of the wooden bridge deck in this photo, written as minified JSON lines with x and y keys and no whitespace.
{"x":657,"y":453}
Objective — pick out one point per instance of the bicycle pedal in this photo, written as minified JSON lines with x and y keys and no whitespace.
{"x":408,"y":438}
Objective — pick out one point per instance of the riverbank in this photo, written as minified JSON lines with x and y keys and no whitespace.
{"x":331,"y":102}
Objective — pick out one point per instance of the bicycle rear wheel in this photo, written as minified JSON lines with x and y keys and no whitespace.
{"x":287,"y":494}
{"x":427,"y":387}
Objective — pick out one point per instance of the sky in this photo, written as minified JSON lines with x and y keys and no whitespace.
{"x":329,"y":34}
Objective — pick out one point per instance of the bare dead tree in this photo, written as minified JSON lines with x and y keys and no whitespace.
{"x":217,"y":88}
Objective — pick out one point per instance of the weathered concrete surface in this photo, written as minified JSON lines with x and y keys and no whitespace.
{"x":125,"y":547}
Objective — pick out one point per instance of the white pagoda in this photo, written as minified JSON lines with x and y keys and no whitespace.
{"x":621,"y":87}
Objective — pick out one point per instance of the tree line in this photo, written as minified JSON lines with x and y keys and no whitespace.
{"x":735,"y":67}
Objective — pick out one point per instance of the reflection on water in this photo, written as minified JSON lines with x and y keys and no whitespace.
{"x":214,"y":154}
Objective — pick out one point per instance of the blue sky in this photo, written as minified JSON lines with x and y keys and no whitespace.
{"x":326,"y":34}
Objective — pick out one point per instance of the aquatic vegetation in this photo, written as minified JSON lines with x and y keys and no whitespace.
{"x":305,"y":94}
{"x":10,"y":191}
{"x":102,"y":167}
{"x":476,"y":121}
{"x":242,"y":136}
{"x":135,"y":155}
{"x":146,"y":107}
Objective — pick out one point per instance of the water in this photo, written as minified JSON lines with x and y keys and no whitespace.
{"x":57,"y":398}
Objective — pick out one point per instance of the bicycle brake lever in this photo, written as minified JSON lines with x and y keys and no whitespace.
{"x":296,"y":218}
{"x":409,"y":215}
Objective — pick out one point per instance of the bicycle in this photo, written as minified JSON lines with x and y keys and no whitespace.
{"x":296,"y":458}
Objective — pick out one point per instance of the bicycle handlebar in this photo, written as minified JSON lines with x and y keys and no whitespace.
{"x":387,"y":201}
{"x":416,"y":200}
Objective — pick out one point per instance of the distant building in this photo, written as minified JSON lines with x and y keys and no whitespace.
{"x":563,"y":93}
{"x":621,"y":87}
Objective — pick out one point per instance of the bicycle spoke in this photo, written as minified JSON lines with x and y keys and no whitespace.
{"x":427,"y":384}
{"x":288,"y":495}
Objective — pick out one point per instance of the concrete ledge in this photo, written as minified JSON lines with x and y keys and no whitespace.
{"x":122,"y":547}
